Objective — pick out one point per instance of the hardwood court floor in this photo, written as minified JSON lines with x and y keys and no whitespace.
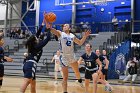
{"x":12,"y":85}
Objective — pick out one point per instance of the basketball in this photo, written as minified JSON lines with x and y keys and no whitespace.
{"x":25,"y":54}
{"x":50,"y":17}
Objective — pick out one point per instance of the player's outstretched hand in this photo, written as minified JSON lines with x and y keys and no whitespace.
{"x":87,"y":33}
{"x":8,"y":59}
{"x":48,"y":25}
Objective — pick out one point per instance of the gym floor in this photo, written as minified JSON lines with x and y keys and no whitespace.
{"x":12,"y":85}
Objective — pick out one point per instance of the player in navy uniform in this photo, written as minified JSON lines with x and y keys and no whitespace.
{"x":104,"y":54}
{"x":92,"y":69}
{"x":2,"y":59}
{"x":105,"y":64}
{"x":34,"y":53}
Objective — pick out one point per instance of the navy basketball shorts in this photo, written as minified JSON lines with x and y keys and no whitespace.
{"x":29,"y":69}
{"x":104,"y":71}
{"x":1,"y":70}
{"x":88,"y":74}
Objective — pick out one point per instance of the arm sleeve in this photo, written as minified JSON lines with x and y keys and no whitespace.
{"x":39,"y":31}
{"x":96,"y":57}
{"x":101,"y":58}
{"x":83,"y":56}
{"x":2,"y":54}
{"x":44,"y":42}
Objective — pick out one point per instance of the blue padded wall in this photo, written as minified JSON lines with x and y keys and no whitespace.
{"x":124,"y":50}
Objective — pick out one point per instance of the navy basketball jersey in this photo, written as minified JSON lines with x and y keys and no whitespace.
{"x":90,"y":60}
{"x":102,"y":60}
{"x":1,"y":54}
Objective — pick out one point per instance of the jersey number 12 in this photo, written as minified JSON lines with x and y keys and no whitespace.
{"x":68,"y":43}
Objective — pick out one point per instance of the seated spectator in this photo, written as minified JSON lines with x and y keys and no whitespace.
{"x":115,"y":23}
{"x":132,"y":71}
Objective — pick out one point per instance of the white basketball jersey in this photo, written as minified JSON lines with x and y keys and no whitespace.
{"x":57,"y":58}
{"x":66,"y":43}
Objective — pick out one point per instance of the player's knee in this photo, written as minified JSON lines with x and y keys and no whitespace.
{"x":95,"y":81}
{"x":65,"y":78}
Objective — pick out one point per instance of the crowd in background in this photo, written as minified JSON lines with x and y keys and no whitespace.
{"x":17,"y":33}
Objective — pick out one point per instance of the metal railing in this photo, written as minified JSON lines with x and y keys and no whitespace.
{"x":46,"y":64}
{"x":6,"y":49}
{"x":16,"y":42}
{"x":115,"y":41}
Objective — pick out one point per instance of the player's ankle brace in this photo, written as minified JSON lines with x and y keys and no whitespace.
{"x":80,"y":80}
{"x":1,"y":82}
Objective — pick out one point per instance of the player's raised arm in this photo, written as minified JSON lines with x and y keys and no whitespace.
{"x":99,"y":63}
{"x":80,"y":42}
{"x":52,"y":60}
{"x":8,"y":59}
{"x":56,"y":32}
{"x":49,"y":26}
{"x":107,"y":63}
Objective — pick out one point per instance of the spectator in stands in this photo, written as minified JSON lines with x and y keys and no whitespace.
{"x":135,"y":59}
{"x":27,"y":34}
{"x":132,"y":71}
{"x":23,"y":33}
{"x":17,"y":33}
{"x":8,"y":33}
{"x":85,"y":26}
{"x":115,"y":23}
{"x":12,"y":33}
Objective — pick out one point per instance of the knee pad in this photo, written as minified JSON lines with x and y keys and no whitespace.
{"x":1,"y":82}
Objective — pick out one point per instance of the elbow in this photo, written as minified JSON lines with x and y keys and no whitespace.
{"x":49,"y":38}
{"x":80,"y":43}
{"x":100,"y":65}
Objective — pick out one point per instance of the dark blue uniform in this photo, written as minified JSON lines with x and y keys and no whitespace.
{"x":1,"y":62}
{"x":33,"y":58}
{"x":90,"y":64}
{"x":104,"y":71}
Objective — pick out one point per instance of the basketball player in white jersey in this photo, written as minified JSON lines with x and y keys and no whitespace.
{"x":67,"y":41}
{"x":57,"y":68}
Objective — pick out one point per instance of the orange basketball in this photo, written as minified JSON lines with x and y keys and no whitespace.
{"x":50,"y":17}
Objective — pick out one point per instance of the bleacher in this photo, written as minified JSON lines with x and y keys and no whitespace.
{"x":45,"y":67}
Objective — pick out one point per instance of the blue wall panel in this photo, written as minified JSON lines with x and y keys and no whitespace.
{"x":137,"y":9}
{"x":96,"y":14}
{"x":90,"y":13}
{"x":29,"y":18}
{"x":63,"y":13}
{"x":137,"y":15}
{"x":124,"y":50}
